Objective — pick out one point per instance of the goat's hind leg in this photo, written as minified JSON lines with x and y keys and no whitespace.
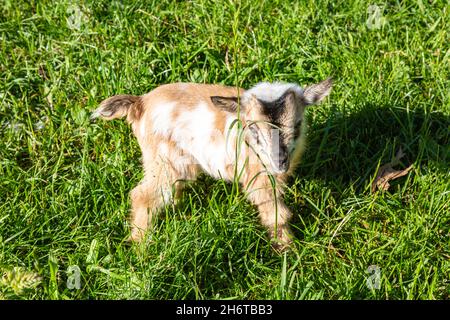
{"x":149,"y":197}
{"x":144,"y":205}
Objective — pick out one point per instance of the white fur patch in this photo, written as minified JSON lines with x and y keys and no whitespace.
{"x":142,"y":128}
{"x":194,"y":132}
{"x":161,"y":118}
{"x":163,"y":150}
{"x":271,"y":91}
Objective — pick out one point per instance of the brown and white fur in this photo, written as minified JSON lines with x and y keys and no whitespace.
{"x":184,"y":129}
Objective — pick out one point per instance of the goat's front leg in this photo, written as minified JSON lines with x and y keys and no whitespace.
{"x":273,"y":212}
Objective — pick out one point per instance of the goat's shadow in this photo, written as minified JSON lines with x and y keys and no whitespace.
{"x":345,"y":150}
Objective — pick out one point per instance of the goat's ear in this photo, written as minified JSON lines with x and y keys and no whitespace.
{"x":229,"y":104}
{"x":317,"y":92}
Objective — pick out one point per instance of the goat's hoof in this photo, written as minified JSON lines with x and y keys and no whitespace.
{"x":280,"y":245}
{"x":136,"y":236}
{"x":283,"y":239}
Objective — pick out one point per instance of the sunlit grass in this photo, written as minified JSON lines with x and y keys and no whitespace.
{"x":64,"y":181}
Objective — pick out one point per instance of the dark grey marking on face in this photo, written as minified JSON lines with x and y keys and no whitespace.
{"x":276,"y":111}
{"x":297,"y":129}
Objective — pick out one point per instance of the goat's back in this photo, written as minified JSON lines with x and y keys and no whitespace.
{"x":183,"y":115}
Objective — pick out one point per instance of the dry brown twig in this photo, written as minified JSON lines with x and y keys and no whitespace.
{"x":386,"y":173}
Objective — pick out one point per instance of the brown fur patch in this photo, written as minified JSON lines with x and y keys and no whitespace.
{"x":219,"y":122}
{"x":189,"y":94}
{"x":136,"y":110}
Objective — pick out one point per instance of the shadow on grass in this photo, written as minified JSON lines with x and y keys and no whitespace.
{"x":346,"y":150}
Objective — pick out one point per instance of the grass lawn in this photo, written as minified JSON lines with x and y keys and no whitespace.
{"x":64,"y":181}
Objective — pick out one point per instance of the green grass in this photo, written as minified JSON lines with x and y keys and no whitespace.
{"x":64,"y":181}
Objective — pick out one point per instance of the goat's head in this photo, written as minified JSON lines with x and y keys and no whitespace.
{"x":273,"y":113}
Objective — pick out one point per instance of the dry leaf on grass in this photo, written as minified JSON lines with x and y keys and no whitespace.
{"x":386,"y":173}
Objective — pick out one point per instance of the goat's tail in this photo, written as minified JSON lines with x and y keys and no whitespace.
{"x":120,"y":106}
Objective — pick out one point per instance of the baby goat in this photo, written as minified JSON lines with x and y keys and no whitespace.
{"x":184,"y":129}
